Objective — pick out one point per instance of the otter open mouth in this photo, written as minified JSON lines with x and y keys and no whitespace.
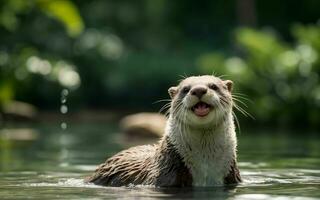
{"x":201,"y":109}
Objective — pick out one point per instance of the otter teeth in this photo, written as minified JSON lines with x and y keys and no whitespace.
{"x":201,"y":109}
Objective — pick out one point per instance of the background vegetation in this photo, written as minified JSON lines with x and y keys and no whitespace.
{"x":123,"y":55}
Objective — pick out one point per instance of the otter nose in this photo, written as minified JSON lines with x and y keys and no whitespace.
{"x":198,"y":91}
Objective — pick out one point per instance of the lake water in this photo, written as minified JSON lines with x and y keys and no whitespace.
{"x":52,"y":164}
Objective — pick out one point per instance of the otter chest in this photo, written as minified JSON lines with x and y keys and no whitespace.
{"x":209,"y":170}
{"x":209,"y":160}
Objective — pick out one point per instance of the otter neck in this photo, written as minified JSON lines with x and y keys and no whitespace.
{"x":207,"y":152}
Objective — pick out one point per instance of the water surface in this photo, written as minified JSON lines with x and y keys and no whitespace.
{"x":52,"y":163}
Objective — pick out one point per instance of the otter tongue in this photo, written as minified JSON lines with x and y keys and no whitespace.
{"x":201,"y":109}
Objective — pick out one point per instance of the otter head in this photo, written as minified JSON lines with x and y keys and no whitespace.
{"x":201,"y":101}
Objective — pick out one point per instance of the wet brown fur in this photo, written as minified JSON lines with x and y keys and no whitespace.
{"x":158,"y":165}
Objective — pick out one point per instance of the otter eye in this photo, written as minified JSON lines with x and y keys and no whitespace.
{"x":185,"y":89}
{"x":213,"y":86}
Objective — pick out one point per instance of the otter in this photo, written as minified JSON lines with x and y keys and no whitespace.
{"x":197,"y":149}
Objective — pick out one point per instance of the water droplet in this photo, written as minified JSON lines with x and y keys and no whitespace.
{"x":63,"y":125}
{"x":64,"y":92}
{"x":64,"y":109}
{"x":63,"y":100}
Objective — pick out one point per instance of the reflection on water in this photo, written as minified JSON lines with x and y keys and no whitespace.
{"x":273,"y":165}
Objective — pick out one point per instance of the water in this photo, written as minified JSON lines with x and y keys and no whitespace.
{"x":52,"y":164}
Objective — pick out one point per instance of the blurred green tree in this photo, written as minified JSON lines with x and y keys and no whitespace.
{"x":24,"y":65}
{"x":108,"y":50}
{"x":281,"y":79}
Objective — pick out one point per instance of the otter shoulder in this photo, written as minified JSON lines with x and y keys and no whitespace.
{"x":127,"y":166}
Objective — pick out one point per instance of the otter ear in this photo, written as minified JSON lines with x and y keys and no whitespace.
{"x":229,"y":85}
{"x":173,"y":91}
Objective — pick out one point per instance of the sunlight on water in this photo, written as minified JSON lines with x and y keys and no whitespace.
{"x":266,"y":184}
{"x":267,"y":197}
{"x":71,"y":182}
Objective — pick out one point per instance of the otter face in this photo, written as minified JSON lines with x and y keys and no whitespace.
{"x":201,"y":100}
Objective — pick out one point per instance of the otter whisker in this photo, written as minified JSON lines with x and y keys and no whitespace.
{"x":241,"y":96}
{"x":213,"y":73}
{"x":185,"y":128}
{"x":223,"y":76}
{"x":181,"y":111}
{"x":238,"y":100}
{"x":170,"y":108}
{"x":179,"y":103}
{"x":164,"y":107}
{"x":174,"y":109}
{"x":162,"y":100}
{"x":243,"y":111}
{"x":182,"y":77}
{"x":224,"y":102}
{"x":222,"y":105}
{"x":237,"y":121}
{"x":240,"y":109}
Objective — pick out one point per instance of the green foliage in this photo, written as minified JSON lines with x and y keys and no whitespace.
{"x":6,"y":92}
{"x":64,"y":11}
{"x":9,"y":11}
{"x":107,"y":51}
{"x":24,"y":68}
{"x":281,"y":79}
